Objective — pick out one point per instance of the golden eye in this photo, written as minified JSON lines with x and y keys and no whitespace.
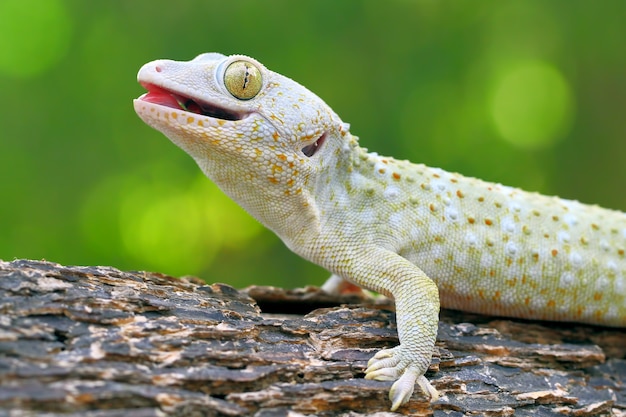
{"x":243,"y":80}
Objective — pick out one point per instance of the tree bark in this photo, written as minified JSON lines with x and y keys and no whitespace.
{"x":96,"y":341}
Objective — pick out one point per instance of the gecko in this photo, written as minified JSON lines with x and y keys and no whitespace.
{"x":421,"y":235}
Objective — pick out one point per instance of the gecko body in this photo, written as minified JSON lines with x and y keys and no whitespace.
{"x":422,"y":235}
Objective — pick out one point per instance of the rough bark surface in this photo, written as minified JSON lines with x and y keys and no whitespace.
{"x":96,"y":341}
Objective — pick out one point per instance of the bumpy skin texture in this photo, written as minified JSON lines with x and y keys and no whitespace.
{"x":416,"y":233}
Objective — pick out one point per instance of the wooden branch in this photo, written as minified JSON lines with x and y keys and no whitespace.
{"x":96,"y":341}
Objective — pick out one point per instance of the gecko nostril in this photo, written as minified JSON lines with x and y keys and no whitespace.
{"x":157,"y":69}
{"x":312,"y":149}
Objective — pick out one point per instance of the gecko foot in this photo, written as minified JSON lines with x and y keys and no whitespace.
{"x":395,"y":364}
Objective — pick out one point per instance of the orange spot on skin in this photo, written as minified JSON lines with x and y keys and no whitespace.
{"x":459,"y":194}
{"x":282,"y":157}
{"x":597,"y":296}
{"x":396,"y":176}
{"x":496,"y":296}
{"x":471,"y":220}
{"x":579,"y":311}
{"x":554,"y":252}
{"x":200,"y":123}
{"x":595,"y":226}
{"x":273,"y":180}
{"x":382,"y":170}
{"x":481,"y":294}
{"x":432,"y":207}
{"x":492,"y":273}
{"x":488,"y":222}
{"x":551,"y":303}
{"x":512,"y":282}
{"x":275,"y":136}
{"x":620,"y":252}
{"x":190,"y":120}
{"x":527,"y":300}
{"x":481,"y":199}
{"x":221,"y":122}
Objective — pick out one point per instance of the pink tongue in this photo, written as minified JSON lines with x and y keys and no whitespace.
{"x":162,"y":97}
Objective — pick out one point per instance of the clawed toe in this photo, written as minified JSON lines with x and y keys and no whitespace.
{"x":383,"y":366}
{"x":392,"y":365}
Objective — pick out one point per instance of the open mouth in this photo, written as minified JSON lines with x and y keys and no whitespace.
{"x":163,"y":97}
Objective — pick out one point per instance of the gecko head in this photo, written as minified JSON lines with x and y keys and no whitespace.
{"x":249,"y":129}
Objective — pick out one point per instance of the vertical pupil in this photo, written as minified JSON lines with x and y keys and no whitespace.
{"x":245,"y":78}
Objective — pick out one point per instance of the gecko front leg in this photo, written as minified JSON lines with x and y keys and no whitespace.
{"x":417,"y":314}
{"x":417,"y":308}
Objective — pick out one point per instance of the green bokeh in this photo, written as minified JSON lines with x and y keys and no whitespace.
{"x":532,"y":105}
{"x":84,"y":181}
{"x":34,"y":36}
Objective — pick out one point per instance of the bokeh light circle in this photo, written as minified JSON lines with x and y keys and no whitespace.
{"x":532,"y":105}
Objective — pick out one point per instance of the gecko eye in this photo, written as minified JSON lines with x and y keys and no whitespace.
{"x":243,"y":80}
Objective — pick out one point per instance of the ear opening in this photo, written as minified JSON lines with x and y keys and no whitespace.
{"x":312,"y":149}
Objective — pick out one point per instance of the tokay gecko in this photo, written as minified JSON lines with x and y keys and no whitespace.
{"x":424,"y":236}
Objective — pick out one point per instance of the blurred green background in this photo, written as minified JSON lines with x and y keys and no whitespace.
{"x":527,"y":93}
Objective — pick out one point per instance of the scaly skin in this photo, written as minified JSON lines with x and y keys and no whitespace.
{"x":416,"y":233}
